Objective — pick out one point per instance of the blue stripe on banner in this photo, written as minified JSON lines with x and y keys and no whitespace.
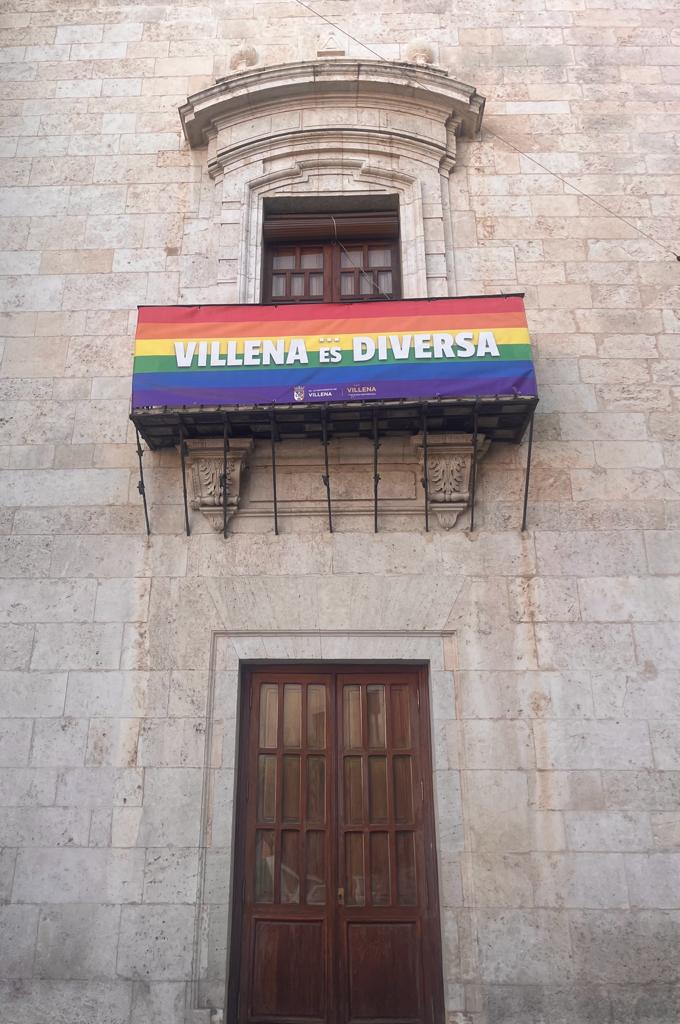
{"x":216,"y":388}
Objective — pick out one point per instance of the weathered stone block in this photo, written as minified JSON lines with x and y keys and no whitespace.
{"x":44,"y":826}
{"x":496,"y":808}
{"x":590,"y":554}
{"x":583,"y":646}
{"x":79,"y":876}
{"x":70,"y":646}
{"x":117,"y":694}
{"x":524,"y":947}
{"x":619,"y":947}
{"x":112,"y":741}
{"x":156,"y":943}
{"x":77,"y":942}
{"x":70,"y":1002}
{"x":15,"y":742}
{"x":613,"y":830}
{"x":18,"y":930}
{"x":588,"y":880}
{"x":171,"y":876}
{"x":592,"y":744}
{"x":654,"y":880}
{"x":171,"y":809}
{"x":505,"y":744}
{"x":156,"y":1001}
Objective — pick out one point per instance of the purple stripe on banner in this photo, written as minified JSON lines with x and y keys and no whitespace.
{"x":518,"y":379}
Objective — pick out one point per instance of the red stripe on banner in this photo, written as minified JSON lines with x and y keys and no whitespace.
{"x":326,"y":311}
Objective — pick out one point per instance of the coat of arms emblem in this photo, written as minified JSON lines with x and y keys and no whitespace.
{"x":299,"y":394}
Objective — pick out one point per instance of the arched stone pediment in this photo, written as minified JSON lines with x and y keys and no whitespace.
{"x":319,"y":89}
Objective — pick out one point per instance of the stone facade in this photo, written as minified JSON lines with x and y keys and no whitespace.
{"x":554,"y":655}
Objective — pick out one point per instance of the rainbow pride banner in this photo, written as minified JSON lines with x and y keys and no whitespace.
{"x":341,"y":352}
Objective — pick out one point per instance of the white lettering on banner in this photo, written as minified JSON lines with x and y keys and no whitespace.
{"x":184,"y":352}
{"x":215,"y":357}
{"x":251,"y":353}
{"x":256,"y":352}
{"x":464,"y":341}
{"x":297,"y":352}
{"x":487,"y":343}
{"x":363,"y":349}
{"x":273,"y":352}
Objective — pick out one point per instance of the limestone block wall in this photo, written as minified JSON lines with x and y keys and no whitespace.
{"x":557,"y":739}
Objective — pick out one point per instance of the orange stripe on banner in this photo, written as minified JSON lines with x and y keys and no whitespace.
{"x":306,"y":328}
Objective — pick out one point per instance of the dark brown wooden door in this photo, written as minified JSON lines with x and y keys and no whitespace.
{"x":338,"y":914}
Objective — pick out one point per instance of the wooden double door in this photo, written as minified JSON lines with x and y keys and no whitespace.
{"x":336,"y":913}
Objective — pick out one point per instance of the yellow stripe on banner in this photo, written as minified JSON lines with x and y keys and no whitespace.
{"x":163,"y":347}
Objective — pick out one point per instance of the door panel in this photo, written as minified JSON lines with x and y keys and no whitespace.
{"x":339,"y":916}
{"x":288,"y":970}
{"x":383,"y":972}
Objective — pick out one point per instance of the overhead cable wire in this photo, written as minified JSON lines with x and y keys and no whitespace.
{"x":511,"y":145}
{"x":586,"y":195}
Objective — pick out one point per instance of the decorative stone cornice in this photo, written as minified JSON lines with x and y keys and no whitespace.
{"x":424,"y":91}
{"x":205,"y":463}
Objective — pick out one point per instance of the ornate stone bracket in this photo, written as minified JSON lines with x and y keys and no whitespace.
{"x":205,"y":465}
{"x":449,"y":462}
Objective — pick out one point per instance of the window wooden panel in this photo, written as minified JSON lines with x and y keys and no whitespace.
{"x":352,"y":267}
{"x":357,"y":272}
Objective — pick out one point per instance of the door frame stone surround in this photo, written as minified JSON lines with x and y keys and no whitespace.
{"x":231,"y":652}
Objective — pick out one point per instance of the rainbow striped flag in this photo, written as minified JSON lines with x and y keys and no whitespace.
{"x":189,"y":356}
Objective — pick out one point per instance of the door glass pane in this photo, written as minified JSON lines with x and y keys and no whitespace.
{"x":347,"y":284}
{"x":354,"y":869}
{"x":353,"y":790}
{"x":377,"y":789}
{"x":297,"y":284}
{"x":403,"y":789}
{"x":290,"y":872}
{"x":316,"y":789}
{"x":278,"y":285}
{"x":367,"y":286}
{"x":351,"y":257}
{"x":315,"y":881}
{"x":385,"y":280}
{"x":291,"y":788}
{"x":406,"y":869}
{"x":316,"y":717}
{"x":400,"y":717}
{"x":264,"y":867}
{"x":380,"y":869}
{"x":266,"y":788}
{"x":380,"y":257}
{"x":292,"y":715}
{"x":311,"y":260}
{"x":375,"y":702}
{"x":284,"y":261}
{"x":352,"y":717}
{"x":316,"y":284}
{"x":269,"y":713}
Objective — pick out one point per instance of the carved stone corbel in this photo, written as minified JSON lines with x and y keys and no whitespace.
{"x":205,"y":465}
{"x":449,"y":462}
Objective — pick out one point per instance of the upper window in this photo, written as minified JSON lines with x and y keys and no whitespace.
{"x":342,"y":257}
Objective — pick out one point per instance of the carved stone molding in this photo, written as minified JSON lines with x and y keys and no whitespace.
{"x":449,"y":464}
{"x":417,"y":89}
{"x":205,"y":466}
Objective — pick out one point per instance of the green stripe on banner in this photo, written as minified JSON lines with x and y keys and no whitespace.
{"x":167,"y":364}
